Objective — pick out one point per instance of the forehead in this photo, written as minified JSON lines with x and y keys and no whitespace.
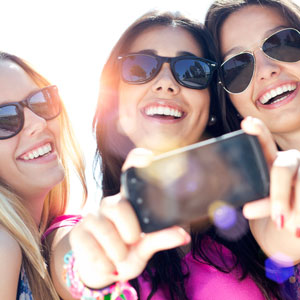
{"x":249,"y":26}
{"x":166,"y":39}
{"x":15,"y":83}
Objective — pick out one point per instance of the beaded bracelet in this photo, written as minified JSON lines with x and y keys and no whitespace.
{"x":118,"y":291}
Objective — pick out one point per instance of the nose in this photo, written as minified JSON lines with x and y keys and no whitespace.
{"x":266,"y":68}
{"x":165,"y":82}
{"x":33,"y":124}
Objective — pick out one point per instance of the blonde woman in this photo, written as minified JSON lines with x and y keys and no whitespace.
{"x":36,"y":142}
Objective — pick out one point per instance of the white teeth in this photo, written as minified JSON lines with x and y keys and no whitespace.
{"x":275,"y":92}
{"x":38,"y":152}
{"x":162,"y":110}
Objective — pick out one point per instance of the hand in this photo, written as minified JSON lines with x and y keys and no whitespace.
{"x":110,"y":247}
{"x":283,"y":205}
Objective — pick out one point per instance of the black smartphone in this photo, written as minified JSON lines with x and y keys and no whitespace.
{"x":181,"y":186}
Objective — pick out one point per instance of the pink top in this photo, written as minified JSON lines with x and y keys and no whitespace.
{"x":206,"y":282}
{"x":62,"y":221}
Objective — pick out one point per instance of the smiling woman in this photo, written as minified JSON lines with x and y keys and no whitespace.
{"x":159,"y":114}
{"x":34,"y":187}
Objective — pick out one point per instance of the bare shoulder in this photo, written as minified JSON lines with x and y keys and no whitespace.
{"x":10,"y":264}
{"x":9,"y":245}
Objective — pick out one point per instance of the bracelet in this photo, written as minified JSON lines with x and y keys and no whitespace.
{"x":118,"y":291}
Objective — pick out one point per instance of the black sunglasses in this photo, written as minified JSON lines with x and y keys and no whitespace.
{"x":236,"y":72}
{"x":45,"y":103}
{"x":189,"y":71}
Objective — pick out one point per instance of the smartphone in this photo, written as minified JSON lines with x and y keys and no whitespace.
{"x":183,"y":185}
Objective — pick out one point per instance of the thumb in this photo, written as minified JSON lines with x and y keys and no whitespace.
{"x":139,"y":158}
{"x":256,"y":127}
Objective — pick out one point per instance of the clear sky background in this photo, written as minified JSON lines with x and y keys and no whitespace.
{"x":68,"y":42}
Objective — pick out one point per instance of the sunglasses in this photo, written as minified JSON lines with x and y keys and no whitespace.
{"x":45,"y":103}
{"x":189,"y":71}
{"x":236,"y":72}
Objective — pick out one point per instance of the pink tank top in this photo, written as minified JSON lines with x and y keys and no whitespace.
{"x":206,"y":282}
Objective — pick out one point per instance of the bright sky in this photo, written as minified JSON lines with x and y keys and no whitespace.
{"x":68,"y":42}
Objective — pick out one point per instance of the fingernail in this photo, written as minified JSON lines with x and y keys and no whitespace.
{"x":116,"y":273}
{"x":280,"y":221}
{"x":298,"y":232}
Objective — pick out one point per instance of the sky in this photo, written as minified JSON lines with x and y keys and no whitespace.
{"x":69,"y":41}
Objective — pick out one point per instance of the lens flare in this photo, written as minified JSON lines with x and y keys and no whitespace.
{"x":229,"y":221}
{"x":279,"y":272}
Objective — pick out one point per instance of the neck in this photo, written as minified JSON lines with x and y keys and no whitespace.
{"x":288,"y":141}
{"x":35,"y":206}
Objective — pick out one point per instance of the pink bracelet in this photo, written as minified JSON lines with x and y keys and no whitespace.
{"x":118,"y":291}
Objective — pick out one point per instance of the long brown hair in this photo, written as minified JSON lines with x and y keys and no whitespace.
{"x":15,"y":217}
{"x":219,"y":11}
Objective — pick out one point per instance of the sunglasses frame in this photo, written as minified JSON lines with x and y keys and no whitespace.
{"x":253,"y":56}
{"x":172,"y":61}
{"x":25,"y":103}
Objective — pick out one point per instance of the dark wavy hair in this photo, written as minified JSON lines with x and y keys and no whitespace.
{"x":165,"y":268}
{"x":219,"y":11}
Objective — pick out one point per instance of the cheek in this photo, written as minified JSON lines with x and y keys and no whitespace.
{"x":7,"y":161}
{"x":54,"y":127}
{"x":295,"y":67}
{"x":241,"y":102}
{"x":201,"y":101}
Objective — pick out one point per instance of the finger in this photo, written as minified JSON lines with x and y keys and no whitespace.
{"x":257,"y":209}
{"x":161,"y":240}
{"x":256,"y":127}
{"x":106,"y":234}
{"x":138,"y":157}
{"x":282,"y":176}
{"x":122,"y":215}
{"x":294,"y":225}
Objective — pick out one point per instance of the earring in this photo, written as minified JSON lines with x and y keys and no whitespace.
{"x":212,"y":120}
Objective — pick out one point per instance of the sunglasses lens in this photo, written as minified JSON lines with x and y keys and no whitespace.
{"x":10,"y":121}
{"x":283,"y":46}
{"x":236,"y":73}
{"x":139,"y":68}
{"x":192,"y":73}
{"x":45,"y":103}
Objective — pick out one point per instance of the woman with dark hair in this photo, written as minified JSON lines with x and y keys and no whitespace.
{"x":258,"y":45}
{"x":155,"y":93}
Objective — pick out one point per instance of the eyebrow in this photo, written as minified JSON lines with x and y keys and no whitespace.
{"x":239,"y":49}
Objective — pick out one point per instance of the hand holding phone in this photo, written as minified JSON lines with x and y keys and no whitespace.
{"x":181,"y":186}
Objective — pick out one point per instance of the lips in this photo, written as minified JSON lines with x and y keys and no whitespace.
{"x":277,"y":94}
{"x":37,"y":152}
{"x":163,"y":111}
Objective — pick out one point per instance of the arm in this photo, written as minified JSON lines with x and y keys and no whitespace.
{"x":10,"y":265}
{"x":275,"y":221}
{"x":109,"y":245}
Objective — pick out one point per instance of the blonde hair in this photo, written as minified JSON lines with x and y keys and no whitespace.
{"x":18,"y":221}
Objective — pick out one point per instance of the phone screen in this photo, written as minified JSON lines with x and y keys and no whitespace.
{"x":182,"y":186}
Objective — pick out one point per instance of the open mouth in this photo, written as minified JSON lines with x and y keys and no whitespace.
{"x":278,"y":94}
{"x":164,"y":112}
{"x":38,"y":152}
